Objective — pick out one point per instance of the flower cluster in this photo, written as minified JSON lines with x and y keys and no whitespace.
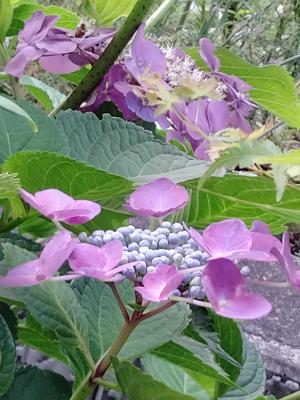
{"x":168,"y":264}
{"x":162,"y":85}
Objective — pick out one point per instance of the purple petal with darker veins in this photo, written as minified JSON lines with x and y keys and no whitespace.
{"x":22,"y":58}
{"x":207,"y":49}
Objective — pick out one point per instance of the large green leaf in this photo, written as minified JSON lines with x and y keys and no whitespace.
{"x":16,"y":136}
{"x":273,"y":87}
{"x":6,"y":14}
{"x":32,"y":383}
{"x":238,"y":196}
{"x":14,"y":109}
{"x":55,"y":306}
{"x":48,"y":96}
{"x":252,"y":377}
{"x":22,"y":12}
{"x":9,"y":185}
{"x":13,"y":256}
{"x":140,"y":386}
{"x":32,"y":334}
{"x":107,"y":12}
{"x":105,"y":321}
{"x":39,"y":171}
{"x":193,"y":357}
{"x":7,"y":357}
{"x":173,"y":376}
{"x":124,"y":148}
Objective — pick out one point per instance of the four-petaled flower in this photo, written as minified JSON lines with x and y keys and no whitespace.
{"x":225,"y":288}
{"x":58,"y":206}
{"x":54,"y":254}
{"x":99,"y":263}
{"x":158,"y":285}
{"x":158,"y":198}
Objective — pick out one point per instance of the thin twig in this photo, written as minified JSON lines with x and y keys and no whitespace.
{"x":157,"y":310}
{"x":119,"y":301}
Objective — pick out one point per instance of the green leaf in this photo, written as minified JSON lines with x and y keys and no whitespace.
{"x":77,"y":76}
{"x":245,"y":197}
{"x":231,"y":341}
{"x":22,"y":12}
{"x":7,"y":357}
{"x":32,"y":334}
{"x":13,"y":256}
{"x":14,"y":109}
{"x":48,"y":96}
{"x":126,"y":149}
{"x":273,"y":87}
{"x":137,"y":385}
{"x":39,"y":171}
{"x":193,"y":357}
{"x":105,"y":321}
{"x":9,"y":185}
{"x":173,"y":376}
{"x":55,"y":306}
{"x":10,"y":319}
{"x":107,"y":12}
{"x":252,"y":375}
{"x":291,"y":157}
{"x":16,"y":136}
{"x":32,"y":383}
{"x":6,"y":14}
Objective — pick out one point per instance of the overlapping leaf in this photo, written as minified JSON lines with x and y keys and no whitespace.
{"x":7,"y":357}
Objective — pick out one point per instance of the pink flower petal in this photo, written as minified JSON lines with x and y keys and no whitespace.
{"x":260,"y":227}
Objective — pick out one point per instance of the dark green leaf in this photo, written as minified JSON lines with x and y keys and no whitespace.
{"x":10,"y":319}
{"x":13,"y":256}
{"x":32,"y":383}
{"x":7,"y":357}
{"x":140,"y":386}
{"x":14,"y":109}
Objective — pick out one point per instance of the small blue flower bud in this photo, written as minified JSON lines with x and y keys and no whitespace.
{"x":144,"y":249}
{"x":196,"y":281}
{"x":109,"y":232}
{"x":145,"y":243}
{"x":147,"y":232}
{"x":98,"y":233}
{"x":163,"y":231}
{"x":183,"y":236}
{"x":97,"y":241}
{"x":192,"y":262}
{"x":151,"y":268}
{"x":141,"y":268}
{"x":89,"y":240}
{"x":83,"y":236}
{"x":177,"y":227}
{"x":133,"y":246}
{"x":174,"y":239}
{"x":166,"y":224}
{"x":163,"y":244}
{"x":107,"y":238}
{"x":124,"y":230}
{"x":153,"y":244}
{"x":129,"y":272}
{"x":193,"y":244}
{"x":197,"y":254}
{"x":140,"y":257}
{"x":131,"y":228}
{"x":245,"y":271}
{"x":124,"y":259}
{"x":176,"y":292}
{"x":177,"y":258}
{"x":156,"y":260}
{"x":160,"y":236}
{"x":197,"y":292}
{"x":135,"y":237}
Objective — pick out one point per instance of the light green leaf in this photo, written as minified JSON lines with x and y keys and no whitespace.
{"x":173,"y":376}
{"x":126,"y":149}
{"x":24,"y":10}
{"x":55,"y":306}
{"x":6,"y":14}
{"x":32,"y":334}
{"x":238,"y":196}
{"x":252,"y":375}
{"x":193,"y":357}
{"x":7,"y":357}
{"x":13,"y":256}
{"x":32,"y":383}
{"x":9,"y":185}
{"x":105,"y":321}
{"x":39,"y":171}
{"x":137,"y":385}
{"x":13,"y":108}
{"x":291,"y":157}
{"x":107,"y":12}
{"x":273,"y":87}
{"x":48,"y":96}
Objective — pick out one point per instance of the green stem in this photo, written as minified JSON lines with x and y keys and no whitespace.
{"x":292,"y":396}
{"x":108,"y":385}
{"x":110,"y":55}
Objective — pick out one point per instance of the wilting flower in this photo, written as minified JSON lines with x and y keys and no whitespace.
{"x":55,"y":253}
{"x":285,"y":258}
{"x":232,"y":239}
{"x":226,"y":290}
{"x":158,"y":285}
{"x":158,"y":198}
{"x":58,"y":206}
{"x":99,"y":263}
{"x":58,"y":50}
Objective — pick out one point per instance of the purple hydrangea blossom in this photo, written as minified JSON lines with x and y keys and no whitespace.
{"x":58,"y":51}
{"x":225,"y":288}
{"x":285,"y":258}
{"x":55,"y":253}
{"x":160,"y":284}
{"x":58,"y":206}
{"x":99,"y":263}
{"x":158,"y":198}
{"x":231,"y":239}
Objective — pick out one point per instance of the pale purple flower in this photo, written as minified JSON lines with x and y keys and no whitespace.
{"x":58,"y":206}
{"x":260,"y":227}
{"x":232,"y":239}
{"x":99,"y":263}
{"x":158,"y":285}
{"x":285,"y":258}
{"x":55,"y":253}
{"x":158,"y":198}
{"x":146,"y":57}
{"x":225,"y":288}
